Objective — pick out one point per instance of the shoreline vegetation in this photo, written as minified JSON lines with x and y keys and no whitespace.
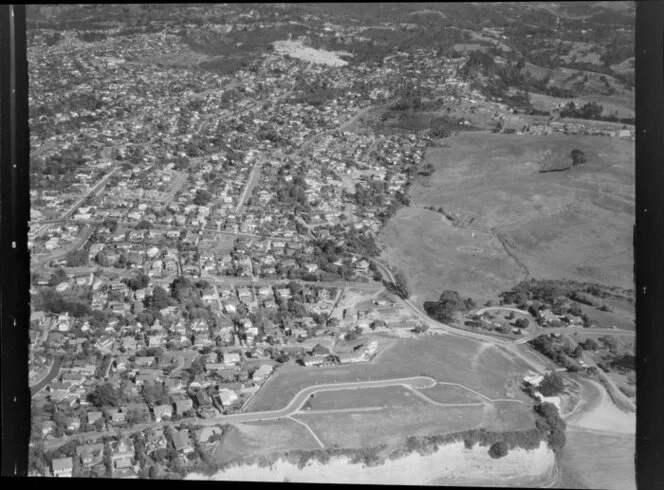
{"x":449,"y":462}
{"x":549,"y":429}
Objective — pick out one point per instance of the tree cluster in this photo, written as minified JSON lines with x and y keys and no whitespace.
{"x":448,"y":305}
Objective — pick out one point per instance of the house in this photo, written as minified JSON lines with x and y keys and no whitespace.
{"x":122,"y":454}
{"x":90,"y":454}
{"x":227,"y":397}
{"x":162,"y":411}
{"x":94,"y":416}
{"x":533,"y":379}
{"x":74,"y":424}
{"x":315,"y":360}
{"x":555,"y":400}
{"x":62,"y":467}
{"x":182,"y":442}
{"x":231,"y":358}
{"x":262,"y":372}
{"x":203,"y":435}
{"x":174,"y":385}
{"x":183,"y":405}
{"x":48,"y":427}
{"x":116,"y":415}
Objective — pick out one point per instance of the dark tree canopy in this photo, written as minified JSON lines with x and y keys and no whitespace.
{"x":498,"y":450}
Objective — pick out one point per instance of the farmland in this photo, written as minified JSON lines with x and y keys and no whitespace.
{"x":575,"y":224}
{"x":447,"y":358}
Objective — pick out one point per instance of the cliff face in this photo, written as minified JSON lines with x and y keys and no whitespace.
{"x":448,"y":465}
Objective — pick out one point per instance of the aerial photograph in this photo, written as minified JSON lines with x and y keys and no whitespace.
{"x":371,"y":243}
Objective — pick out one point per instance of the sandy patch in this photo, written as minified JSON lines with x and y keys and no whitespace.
{"x":298,"y":50}
{"x":605,"y":416}
{"x":451,"y":463}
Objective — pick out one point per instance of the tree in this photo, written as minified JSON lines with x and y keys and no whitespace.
{"x":590,"y":344}
{"x":401,"y":285}
{"x":102,"y":259}
{"x":447,"y":306}
{"x":202,"y":197}
{"x":578,"y":157}
{"x":57,"y":277}
{"x":551,"y":385}
{"x":143,"y":225}
{"x":104,"y":395}
{"x":521,"y":323}
{"x":158,"y":300}
{"x":498,"y":450}
{"x":155,"y":393}
{"x":77,"y":259}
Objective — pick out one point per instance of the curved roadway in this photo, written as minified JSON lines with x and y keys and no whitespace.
{"x":292,"y":408}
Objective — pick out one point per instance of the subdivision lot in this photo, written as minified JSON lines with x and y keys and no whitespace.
{"x":452,"y":394}
{"x":576,"y":224}
{"x":392,"y":425}
{"x":263,"y":438}
{"x":361,"y":398}
{"x":450,"y":359}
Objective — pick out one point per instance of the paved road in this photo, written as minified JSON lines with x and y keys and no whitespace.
{"x":293,"y":407}
{"x":568,"y":330}
{"x":93,"y":190}
{"x":251,"y":181}
{"x":50,"y":376}
{"x":85,"y":235}
{"x":504,"y":308}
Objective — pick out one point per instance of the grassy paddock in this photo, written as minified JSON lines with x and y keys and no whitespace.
{"x":391,"y":426}
{"x":450,"y":359}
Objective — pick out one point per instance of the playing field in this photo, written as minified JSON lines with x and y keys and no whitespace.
{"x":575,"y":224}
{"x":451,"y":359}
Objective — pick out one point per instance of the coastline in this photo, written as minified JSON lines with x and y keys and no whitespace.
{"x":450,"y":464}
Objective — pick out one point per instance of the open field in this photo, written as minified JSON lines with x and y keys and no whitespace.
{"x":393,"y":425}
{"x":435,"y":255}
{"x":263,"y":438}
{"x":451,"y":394}
{"x":575,"y":224}
{"x":584,"y":83}
{"x":368,"y":397}
{"x":621,"y":316}
{"x":448,"y":358}
{"x":621,"y":108}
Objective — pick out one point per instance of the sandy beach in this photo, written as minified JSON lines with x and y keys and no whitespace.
{"x":451,"y":464}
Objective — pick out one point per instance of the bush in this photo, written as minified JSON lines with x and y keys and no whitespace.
{"x":551,"y":385}
{"x":498,"y":450}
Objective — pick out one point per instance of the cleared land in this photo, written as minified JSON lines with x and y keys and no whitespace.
{"x":263,"y":438}
{"x":298,"y":50}
{"x":575,"y":224}
{"x":404,"y":418}
{"x":447,"y":358}
{"x":434,"y":255}
{"x":621,"y":108}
